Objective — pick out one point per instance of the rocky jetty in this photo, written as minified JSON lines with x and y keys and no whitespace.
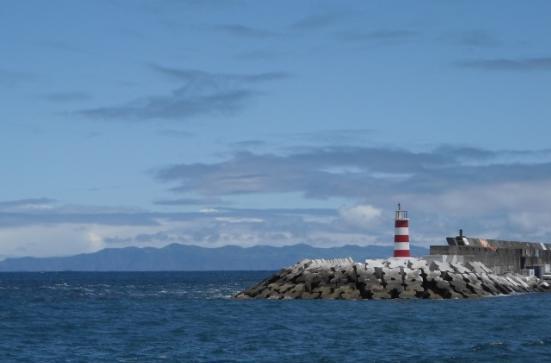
{"x":413,"y":278}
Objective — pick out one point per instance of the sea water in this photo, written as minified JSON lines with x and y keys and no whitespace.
{"x":190,"y":317}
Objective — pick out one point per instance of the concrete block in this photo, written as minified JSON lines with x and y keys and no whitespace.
{"x":351,"y":295}
{"x":417,"y":264}
{"x":440,"y":266}
{"x":434,"y":278}
{"x":380,"y":294}
{"x":397,"y":262}
{"x":310,"y":296}
{"x":460,"y":268}
{"x":324,"y":291}
{"x":486,"y":284}
{"x":408,"y":294}
{"x":374,"y":263}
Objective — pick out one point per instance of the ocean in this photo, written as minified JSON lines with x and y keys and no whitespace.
{"x":190,"y":317}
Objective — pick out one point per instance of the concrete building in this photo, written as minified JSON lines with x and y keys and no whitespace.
{"x":528,"y":258}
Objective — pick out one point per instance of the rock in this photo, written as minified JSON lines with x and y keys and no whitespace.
{"x":431,"y":276}
{"x":441,"y":266}
{"x":513,"y":284}
{"x":413,"y":284}
{"x":483,"y":281}
{"x":460,"y":268}
{"x":274,"y":286}
{"x":476,"y":286}
{"x":325,"y":291}
{"x":442,"y":284}
{"x":350,"y":294}
{"x":478,"y":267}
{"x":242,"y":296}
{"x":413,"y":280}
{"x":389,"y":279}
{"x":397,"y":263}
{"x":459,"y":285}
{"x":295,"y":292}
{"x":263,"y":294}
{"x":310,"y":296}
{"x":520,"y":281}
{"x":501,"y":284}
{"x":285,"y":287}
{"x":374,"y":263}
{"x":434,"y":296}
{"x":380,"y":294}
{"x":393,"y":281}
{"x":418,"y":264}
{"x":408,"y":294}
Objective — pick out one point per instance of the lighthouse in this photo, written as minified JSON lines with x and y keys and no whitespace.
{"x":401,"y":233}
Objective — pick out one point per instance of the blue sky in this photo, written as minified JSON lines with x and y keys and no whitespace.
{"x":245,"y":122}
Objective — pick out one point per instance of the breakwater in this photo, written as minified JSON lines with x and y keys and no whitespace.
{"x":414,"y":278}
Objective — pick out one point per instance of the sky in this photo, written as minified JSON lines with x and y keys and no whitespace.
{"x":217,"y":122}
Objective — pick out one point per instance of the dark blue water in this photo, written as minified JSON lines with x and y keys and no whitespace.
{"x":189,"y":317}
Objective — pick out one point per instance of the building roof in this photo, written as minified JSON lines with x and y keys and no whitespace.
{"x":495,"y":244}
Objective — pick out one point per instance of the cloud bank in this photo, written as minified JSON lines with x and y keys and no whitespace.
{"x":502,"y":194}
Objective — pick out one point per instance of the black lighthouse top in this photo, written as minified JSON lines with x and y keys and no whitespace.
{"x":401,"y":214}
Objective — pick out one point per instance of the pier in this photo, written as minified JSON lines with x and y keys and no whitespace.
{"x":526,"y":258}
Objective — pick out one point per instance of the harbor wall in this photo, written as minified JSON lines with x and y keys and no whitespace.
{"x":501,"y":256}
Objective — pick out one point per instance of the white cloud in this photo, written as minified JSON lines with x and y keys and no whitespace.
{"x":96,"y":241}
{"x":208,"y":210}
{"x":239,"y":220}
{"x":481,"y":200}
{"x":50,"y":240}
{"x":534,"y":224}
{"x":361,"y":215}
{"x":331,"y":239}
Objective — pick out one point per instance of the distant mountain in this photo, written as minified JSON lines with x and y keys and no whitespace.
{"x":178,"y":257}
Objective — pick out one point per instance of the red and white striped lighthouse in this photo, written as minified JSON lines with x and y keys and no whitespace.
{"x":401,"y":233}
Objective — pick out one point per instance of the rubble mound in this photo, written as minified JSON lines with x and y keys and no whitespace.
{"x":411,"y":278}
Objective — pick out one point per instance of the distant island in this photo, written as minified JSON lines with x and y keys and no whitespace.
{"x":179,"y":257}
